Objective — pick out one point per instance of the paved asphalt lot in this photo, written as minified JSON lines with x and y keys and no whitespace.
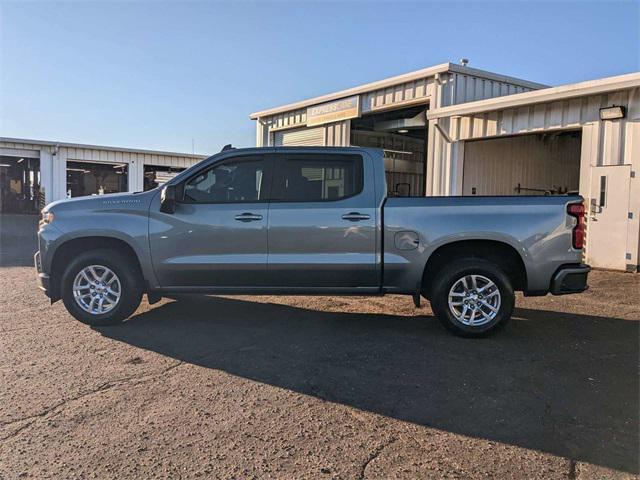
{"x":302,"y":387}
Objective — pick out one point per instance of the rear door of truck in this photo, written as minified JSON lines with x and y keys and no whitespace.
{"x":322,"y":222}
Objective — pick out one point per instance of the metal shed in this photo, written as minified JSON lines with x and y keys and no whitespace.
{"x":35,"y":172}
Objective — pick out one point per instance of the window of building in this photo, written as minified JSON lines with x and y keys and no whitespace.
{"x":313,"y":178}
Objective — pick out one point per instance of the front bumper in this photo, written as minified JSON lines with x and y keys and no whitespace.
{"x":570,"y":279}
{"x":42,"y":278}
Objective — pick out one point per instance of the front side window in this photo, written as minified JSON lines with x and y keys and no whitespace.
{"x":316,"y":178}
{"x":230,"y":182}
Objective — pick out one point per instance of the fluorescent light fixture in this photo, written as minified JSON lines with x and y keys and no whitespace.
{"x":120,"y":166}
{"x":397,"y":151}
{"x":21,"y":160}
{"x":4,"y":165}
{"x":612,"y":113}
{"x":403,"y":130}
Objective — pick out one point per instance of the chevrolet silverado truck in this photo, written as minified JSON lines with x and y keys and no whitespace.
{"x":310,"y":221}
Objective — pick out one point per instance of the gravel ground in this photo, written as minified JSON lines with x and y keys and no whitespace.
{"x":301,"y":387}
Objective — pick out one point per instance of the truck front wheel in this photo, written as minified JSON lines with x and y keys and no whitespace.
{"x":472,"y":297}
{"x":101,"y":287}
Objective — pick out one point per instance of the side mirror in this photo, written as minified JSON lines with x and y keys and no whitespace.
{"x":168,"y":199}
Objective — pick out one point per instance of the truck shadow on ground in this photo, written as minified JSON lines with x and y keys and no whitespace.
{"x":559,"y":383}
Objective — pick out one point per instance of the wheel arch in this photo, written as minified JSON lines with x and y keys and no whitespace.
{"x":66,"y":251}
{"x":496,"y":251}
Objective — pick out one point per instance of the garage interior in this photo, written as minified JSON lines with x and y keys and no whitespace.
{"x":535,"y":164}
{"x":156,"y":175}
{"x":19,"y":185}
{"x":402,"y":134}
{"x":92,"y":178}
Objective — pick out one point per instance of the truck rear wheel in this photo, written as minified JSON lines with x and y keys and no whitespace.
{"x":472,"y":297}
{"x":101,"y":287}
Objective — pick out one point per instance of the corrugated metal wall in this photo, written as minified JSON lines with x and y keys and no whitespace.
{"x":416,"y":91}
{"x":566,"y":114}
{"x":338,"y":134}
{"x":291,"y":119}
{"x":461,"y":88}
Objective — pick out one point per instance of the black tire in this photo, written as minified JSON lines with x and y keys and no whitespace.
{"x":450,"y":274}
{"x":130,"y":281}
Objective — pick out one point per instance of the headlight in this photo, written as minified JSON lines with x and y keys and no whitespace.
{"x":47,"y":217}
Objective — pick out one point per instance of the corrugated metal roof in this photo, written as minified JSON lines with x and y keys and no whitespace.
{"x":563,"y":92}
{"x":407,"y":77}
{"x":99,"y":147}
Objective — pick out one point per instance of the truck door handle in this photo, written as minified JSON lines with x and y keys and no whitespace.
{"x":248,"y":217}
{"x":355,"y":216}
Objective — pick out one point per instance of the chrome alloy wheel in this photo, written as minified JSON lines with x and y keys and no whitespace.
{"x":96,"y":289}
{"x":474,"y":300}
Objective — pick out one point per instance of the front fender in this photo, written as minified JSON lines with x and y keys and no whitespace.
{"x":132,"y":230}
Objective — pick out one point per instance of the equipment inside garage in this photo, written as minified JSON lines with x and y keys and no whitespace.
{"x":402,"y":134}
{"x":19,"y":184}
{"x":535,"y":164}
{"x":92,"y":178}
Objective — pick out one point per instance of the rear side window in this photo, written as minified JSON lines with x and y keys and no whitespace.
{"x":317,"y":178}
{"x":234,"y":181}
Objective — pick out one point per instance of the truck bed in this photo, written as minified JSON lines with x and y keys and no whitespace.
{"x":537,"y":227}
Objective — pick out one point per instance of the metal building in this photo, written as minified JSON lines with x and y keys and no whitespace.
{"x":389,"y":114}
{"x":34,"y":173}
{"x":455,"y":130}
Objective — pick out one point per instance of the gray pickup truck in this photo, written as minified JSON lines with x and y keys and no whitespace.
{"x":312,"y":221}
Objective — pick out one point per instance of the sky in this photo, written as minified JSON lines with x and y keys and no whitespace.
{"x":177,"y":75}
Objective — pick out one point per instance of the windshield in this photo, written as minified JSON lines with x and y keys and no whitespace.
{"x":185,"y":173}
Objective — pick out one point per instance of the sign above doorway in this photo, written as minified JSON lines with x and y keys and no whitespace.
{"x":342,"y":109}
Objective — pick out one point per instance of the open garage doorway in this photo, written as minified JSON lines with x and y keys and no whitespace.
{"x":402,"y":134}
{"x":91,"y":178}
{"x":534,"y":164}
{"x":19,"y":185}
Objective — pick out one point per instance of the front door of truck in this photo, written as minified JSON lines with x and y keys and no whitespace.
{"x":217,"y":237}
{"x":322,"y":222}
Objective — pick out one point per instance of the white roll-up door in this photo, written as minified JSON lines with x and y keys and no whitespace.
{"x":300,"y":137}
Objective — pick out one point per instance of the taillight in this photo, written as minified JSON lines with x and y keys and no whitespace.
{"x":577,"y":210}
